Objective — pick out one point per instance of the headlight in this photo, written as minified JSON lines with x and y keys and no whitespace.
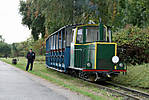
{"x":121,"y":64}
{"x":89,"y":64}
{"x":115,"y":59}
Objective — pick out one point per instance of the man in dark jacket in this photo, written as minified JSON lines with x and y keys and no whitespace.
{"x":31,"y":57}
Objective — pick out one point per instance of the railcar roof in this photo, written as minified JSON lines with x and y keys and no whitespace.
{"x":73,"y":26}
{"x":67,"y":26}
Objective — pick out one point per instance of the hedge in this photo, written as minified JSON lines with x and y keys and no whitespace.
{"x":134,"y":42}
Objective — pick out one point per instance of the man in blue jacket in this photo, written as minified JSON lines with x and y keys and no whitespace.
{"x":30,"y":57}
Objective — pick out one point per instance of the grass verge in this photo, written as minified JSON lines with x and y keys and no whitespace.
{"x":137,"y":76}
{"x":64,"y":80}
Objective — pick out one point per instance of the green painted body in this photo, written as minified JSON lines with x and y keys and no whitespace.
{"x":83,"y":54}
{"x":101,"y":28}
{"x":105,"y":52}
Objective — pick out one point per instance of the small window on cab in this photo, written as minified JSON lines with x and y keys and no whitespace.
{"x":79,"y":35}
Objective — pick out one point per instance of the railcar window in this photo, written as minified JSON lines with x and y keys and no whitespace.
{"x":54,"y":42}
{"x":64,"y":39}
{"x":57,"y":41}
{"x":105,"y":35}
{"x":47,"y":44}
{"x":73,"y":31}
{"x":91,"y":34}
{"x":110,"y":35}
{"x":60,"y":40}
{"x":69,"y":36}
{"x":51,"y":42}
{"x":80,"y":36}
{"x":72,"y":34}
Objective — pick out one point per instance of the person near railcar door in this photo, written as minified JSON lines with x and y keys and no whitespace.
{"x":30,"y":59}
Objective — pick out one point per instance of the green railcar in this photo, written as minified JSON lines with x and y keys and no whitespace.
{"x":86,"y":51}
{"x":94,"y":53}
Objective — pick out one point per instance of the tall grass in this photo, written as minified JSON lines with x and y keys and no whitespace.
{"x":137,"y":76}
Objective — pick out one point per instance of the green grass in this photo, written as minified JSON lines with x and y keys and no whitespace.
{"x":137,"y":76}
{"x":64,"y":80}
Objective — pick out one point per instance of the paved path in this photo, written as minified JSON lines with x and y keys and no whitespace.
{"x":16,"y":84}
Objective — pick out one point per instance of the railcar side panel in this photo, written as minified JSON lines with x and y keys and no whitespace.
{"x":84,"y":54}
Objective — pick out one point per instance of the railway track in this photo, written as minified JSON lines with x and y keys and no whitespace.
{"x":122,"y":93}
{"x":135,"y":94}
{"x":131,"y":94}
{"x":125,"y":92}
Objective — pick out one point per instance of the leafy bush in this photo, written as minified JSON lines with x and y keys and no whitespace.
{"x":135,"y":43}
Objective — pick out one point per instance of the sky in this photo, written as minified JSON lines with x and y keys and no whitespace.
{"x":11,"y":28}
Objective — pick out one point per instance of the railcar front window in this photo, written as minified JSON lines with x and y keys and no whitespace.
{"x":90,"y":34}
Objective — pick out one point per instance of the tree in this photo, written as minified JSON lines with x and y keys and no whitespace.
{"x":5,"y":49}
{"x":1,"y":39}
{"x":46,"y":16}
{"x":32,"y":18}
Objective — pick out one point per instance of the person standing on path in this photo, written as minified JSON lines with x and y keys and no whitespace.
{"x":30,"y":57}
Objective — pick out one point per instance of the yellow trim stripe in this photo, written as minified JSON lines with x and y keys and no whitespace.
{"x":95,"y":54}
{"x":76,"y":35}
{"x":97,"y":43}
{"x":115,"y":49}
{"x":115,"y":67}
{"x":85,"y":44}
{"x":88,"y":25}
{"x":105,"y":43}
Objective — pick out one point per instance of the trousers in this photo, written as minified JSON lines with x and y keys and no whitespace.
{"x":28,"y":63}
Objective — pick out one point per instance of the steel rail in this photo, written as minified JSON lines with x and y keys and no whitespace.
{"x":116,"y":91}
{"x":139,"y":93}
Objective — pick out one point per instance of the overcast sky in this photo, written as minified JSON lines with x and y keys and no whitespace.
{"x":10,"y":22}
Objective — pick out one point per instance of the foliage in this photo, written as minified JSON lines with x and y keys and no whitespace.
{"x":1,"y":39}
{"x":5,"y":49}
{"x":32,"y":18}
{"x":21,"y":49}
{"x":46,"y":16}
{"x":135,"y":42}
